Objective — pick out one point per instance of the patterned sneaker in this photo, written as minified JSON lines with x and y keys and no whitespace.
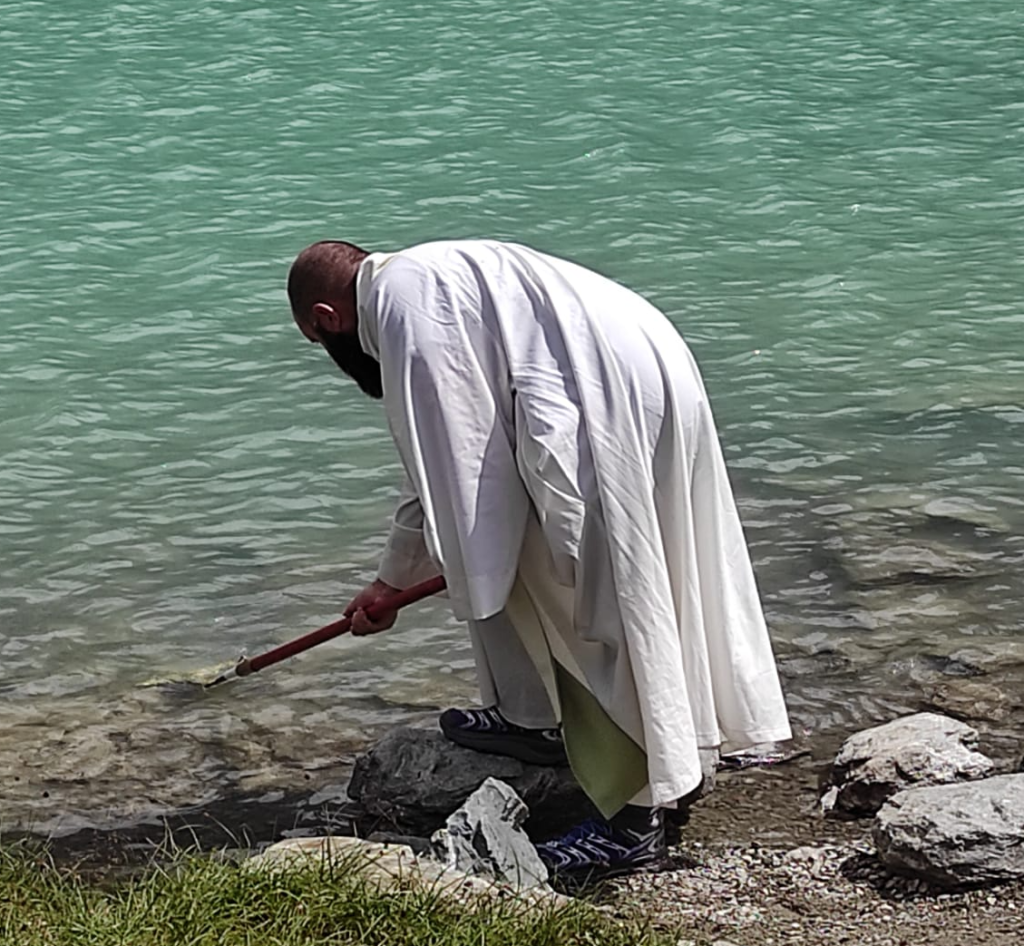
{"x":633,"y":841}
{"x":486,"y":730}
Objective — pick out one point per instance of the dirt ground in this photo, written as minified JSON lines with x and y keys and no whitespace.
{"x":759,"y":865}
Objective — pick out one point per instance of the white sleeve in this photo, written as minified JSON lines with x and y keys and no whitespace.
{"x":406,"y":560}
{"x":449,"y":404}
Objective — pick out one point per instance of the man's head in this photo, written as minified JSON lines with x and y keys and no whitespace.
{"x":322,"y":292}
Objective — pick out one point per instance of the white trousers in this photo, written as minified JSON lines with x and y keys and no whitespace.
{"x":509,"y":680}
{"x":507,"y":676}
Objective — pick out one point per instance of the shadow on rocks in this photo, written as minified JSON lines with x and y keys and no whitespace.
{"x":867,"y":870}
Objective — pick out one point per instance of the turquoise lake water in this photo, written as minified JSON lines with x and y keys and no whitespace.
{"x":826,"y":198}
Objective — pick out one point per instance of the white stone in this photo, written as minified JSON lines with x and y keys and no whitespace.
{"x":485,"y":836}
{"x":387,"y":867}
{"x":923,"y":749}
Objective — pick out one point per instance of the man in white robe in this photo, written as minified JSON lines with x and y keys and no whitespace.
{"x":564,"y":474}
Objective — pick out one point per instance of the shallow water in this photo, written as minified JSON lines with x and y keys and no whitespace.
{"x":828,"y":200}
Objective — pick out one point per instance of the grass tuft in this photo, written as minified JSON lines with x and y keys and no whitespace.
{"x":198,"y":901}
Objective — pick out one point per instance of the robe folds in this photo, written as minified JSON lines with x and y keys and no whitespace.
{"x":563,"y":466}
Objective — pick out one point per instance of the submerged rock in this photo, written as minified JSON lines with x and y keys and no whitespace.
{"x":923,"y":749}
{"x":964,"y":512}
{"x":955,"y":835}
{"x":910,"y":551}
{"x":485,"y":836}
{"x":125,"y":761}
{"x":870,"y":561}
{"x":972,"y":700}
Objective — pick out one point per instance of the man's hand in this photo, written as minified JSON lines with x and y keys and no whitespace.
{"x":361,"y":623}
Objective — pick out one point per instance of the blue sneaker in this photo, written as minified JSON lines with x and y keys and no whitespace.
{"x":486,"y":730}
{"x":631,"y":842}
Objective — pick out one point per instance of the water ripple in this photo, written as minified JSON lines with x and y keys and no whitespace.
{"x":827,"y":202}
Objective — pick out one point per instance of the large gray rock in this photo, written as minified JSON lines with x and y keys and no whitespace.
{"x":485,"y":837}
{"x":918,"y":750}
{"x":414,"y":778}
{"x":955,"y":835}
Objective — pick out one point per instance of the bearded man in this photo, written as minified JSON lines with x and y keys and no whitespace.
{"x":564,"y":474}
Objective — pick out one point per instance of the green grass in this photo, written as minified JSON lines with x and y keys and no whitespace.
{"x":198,"y":901}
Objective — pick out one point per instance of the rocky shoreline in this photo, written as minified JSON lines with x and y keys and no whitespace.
{"x":760,"y":865}
{"x":756,"y":861}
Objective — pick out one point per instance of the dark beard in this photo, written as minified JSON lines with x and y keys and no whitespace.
{"x":350,"y":357}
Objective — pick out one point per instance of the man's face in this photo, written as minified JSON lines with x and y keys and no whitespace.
{"x":335,"y":326}
{"x":348,"y":355}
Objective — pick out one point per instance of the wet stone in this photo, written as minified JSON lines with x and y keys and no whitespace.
{"x":923,"y":508}
{"x":972,"y":700}
{"x":924,"y":544}
{"x":882,"y":560}
{"x":129,"y":761}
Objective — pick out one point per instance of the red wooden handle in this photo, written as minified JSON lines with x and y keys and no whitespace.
{"x":376,"y":611}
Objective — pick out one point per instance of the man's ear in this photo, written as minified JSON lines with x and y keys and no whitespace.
{"x":326,"y":317}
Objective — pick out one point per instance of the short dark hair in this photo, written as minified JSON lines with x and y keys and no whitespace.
{"x":323,"y":270}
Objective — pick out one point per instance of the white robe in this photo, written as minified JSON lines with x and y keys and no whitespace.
{"x":557,"y":438}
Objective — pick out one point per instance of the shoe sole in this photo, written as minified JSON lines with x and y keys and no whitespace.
{"x":523,"y":750}
{"x":576,"y":881}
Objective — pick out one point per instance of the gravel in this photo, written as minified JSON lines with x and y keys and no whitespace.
{"x":758,"y":865}
{"x":821,"y":895}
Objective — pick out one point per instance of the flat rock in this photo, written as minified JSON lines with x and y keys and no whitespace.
{"x":485,"y":836}
{"x":385,"y":868}
{"x":923,"y":749}
{"x":968,"y":700}
{"x":988,"y":656}
{"x":382,"y":862}
{"x":414,"y":778}
{"x":961,"y":835}
{"x":417,"y":844}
